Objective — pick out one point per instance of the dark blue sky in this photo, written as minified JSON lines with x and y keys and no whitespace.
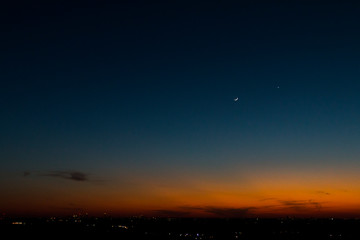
{"x":103,"y":85}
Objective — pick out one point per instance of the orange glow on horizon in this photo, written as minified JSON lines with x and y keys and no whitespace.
{"x":260,"y":194}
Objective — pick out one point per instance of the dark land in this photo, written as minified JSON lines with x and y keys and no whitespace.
{"x":180,"y":228}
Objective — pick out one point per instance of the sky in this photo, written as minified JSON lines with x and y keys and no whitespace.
{"x":129,"y":108}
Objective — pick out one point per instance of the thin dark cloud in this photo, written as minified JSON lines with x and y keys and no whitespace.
{"x":222,"y":211}
{"x":171,"y":213}
{"x":298,"y":206}
{"x":267,"y":199}
{"x":71,"y":175}
{"x":228,"y":212}
{"x":76,"y":176}
{"x":322,"y":193}
{"x":191,"y":208}
{"x":301,"y":205}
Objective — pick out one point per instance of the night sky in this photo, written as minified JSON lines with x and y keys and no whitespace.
{"x":129,"y":108}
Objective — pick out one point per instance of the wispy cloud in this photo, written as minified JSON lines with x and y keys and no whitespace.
{"x":228,"y":212}
{"x":77,"y":176}
{"x":280,"y":207}
{"x":267,"y":199}
{"x":171,"y":213}
{"x":221,"y":211}
{"x":322,"y":193}
{"x":301,"y":205}
{"x":72,"y":175}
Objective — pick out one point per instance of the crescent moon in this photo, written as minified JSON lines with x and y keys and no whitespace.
{"x":236,"y":99}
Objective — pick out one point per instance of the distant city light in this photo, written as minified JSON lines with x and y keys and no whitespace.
{"x":18,"y":223}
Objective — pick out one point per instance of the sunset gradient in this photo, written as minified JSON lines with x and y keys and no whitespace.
{"x":128,"y":109}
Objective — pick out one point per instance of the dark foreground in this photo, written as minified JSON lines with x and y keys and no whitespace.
{"x":171,"y":228}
